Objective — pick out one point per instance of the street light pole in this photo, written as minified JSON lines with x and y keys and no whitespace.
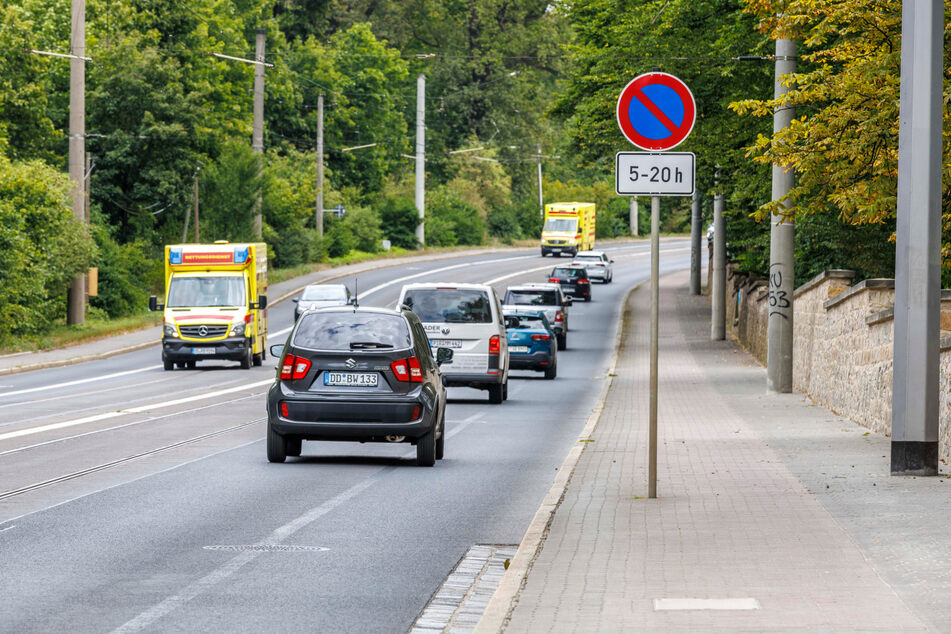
{"x":915,"y":379}
{"x":421,"y":157}
{"x":76,"y":302}
{"x":695,"y":228}
{"x":319,"y":214}
{"x":257,"y":136}
{"x":779,"y":325}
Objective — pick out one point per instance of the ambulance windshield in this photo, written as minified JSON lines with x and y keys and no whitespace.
{"x":561,"y":224}
{"x":210,"y":290}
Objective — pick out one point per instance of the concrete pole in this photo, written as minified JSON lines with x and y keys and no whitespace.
{"x":915,"y":389}
{"x":257,"y":136}
{"x":718,"y":292}
{"x":541,"y":198}
{"x":632,"y":215}
{"x":76,"y":298}
{"x":421,"y":157}
{"x":695,"y":231}
{"x":319,"y":213}
{"x":197,"y":241}
{"x":779,"y":325}
{"x":655,"y":317}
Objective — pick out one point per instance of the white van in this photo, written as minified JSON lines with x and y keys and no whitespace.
{"x":466,"y":318}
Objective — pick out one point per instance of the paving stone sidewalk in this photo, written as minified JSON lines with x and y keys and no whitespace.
{"x":763,"y":499}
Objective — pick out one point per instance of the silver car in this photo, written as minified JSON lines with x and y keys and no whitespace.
{"x":547,"y":298}
{"x":597,"y":264}
{"x":321,"y":296}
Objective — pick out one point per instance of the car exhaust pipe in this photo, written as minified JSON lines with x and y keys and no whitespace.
{"x":392,"y":438}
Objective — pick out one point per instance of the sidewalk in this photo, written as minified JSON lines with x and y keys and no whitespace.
{"x":764,"y":501}
{"x":137,"y":340}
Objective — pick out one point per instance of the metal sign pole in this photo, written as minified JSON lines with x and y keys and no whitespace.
{"x":655,"y":303}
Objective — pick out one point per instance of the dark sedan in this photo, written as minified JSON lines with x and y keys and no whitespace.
{"x":573,"y":280}
{"x":357,"y":374}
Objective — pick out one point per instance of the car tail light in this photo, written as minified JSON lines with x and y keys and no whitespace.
{"x":417,"y":410}
{"x":495,"y":345}
{"x":294,"y":367}
{"x":541,"y":337}
{"x":407,"y":370}
{"x":284,"y":411}
{"x":559,"y":316}
{"x":553,"y":279}
{"x":583,"y":280}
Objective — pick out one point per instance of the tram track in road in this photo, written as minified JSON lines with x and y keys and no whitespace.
{"x":113,"y":463}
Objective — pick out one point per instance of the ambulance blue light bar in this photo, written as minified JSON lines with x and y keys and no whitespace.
{"x":241,"y":255}
{"x":175,"y":255}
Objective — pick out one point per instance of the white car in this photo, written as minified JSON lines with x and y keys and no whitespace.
{"x":596,"y":263}
{"x":467,"y":319}
{"x":321,"y":296}
{"x":546,"y":297}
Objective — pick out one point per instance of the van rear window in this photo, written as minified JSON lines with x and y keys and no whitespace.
{"x":449,"y":305}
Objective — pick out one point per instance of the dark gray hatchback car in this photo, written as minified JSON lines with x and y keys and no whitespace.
{"x":357,"y":374}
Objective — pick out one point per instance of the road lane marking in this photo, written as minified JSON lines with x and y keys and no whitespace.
{"x":551,"y":266}
{"x":277,"y":536}
{"x":79,"y":381}
{"x":380,"y":287}
{"x":131,"y":410}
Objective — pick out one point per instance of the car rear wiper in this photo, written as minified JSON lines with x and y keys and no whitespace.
{"x":360,"y":345}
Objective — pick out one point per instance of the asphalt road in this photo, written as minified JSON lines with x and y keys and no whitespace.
{"x":134,"y":499}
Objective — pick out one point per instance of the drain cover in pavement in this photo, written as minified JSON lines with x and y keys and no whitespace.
{"x":267,"y":548}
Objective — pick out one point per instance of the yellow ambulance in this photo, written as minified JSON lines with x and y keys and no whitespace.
{"x":215,"y":303}
{"x":568,"y":228}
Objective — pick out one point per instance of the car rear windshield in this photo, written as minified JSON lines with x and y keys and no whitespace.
{"x":527,"y":321}
{"x":531,"y":298}
{"x":450,"y":305}
{"x":593,"y":258}
{"x":567,"y":273}
{"x":352,"y":331}
{"x":318,"y":293}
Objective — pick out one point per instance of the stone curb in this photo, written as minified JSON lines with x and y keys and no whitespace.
{"x":371,"y":266}
{"x":499,"y":610}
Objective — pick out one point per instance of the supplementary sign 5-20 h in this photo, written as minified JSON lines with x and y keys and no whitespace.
{"x":657,"y":174}
{"x":654,"y":173}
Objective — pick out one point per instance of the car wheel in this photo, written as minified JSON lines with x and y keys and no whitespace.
{"x":562,"y":341}
{"x":169,"y":365}
{"x":544,"y":252}
{"x":247,"y":360}
{"x":276,"y":446}
{"x":551,"y":371}
{"x":426,"y":450}
{"x":190,"y":365}
{"x":505,"y":390}
{"x":441,"y":441}
{"x":293,"y":446}
{"x":587,"y":297}
{"x":495,"y":394}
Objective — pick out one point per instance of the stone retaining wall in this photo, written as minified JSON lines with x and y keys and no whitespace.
{"x":842,"y":344}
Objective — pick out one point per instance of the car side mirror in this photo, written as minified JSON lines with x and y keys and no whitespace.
{"x":611,"y":261}
{"x":277,"y":350}
{"x":443,"y":355}
{"x":296,"y":299}
{"x":261,"y":304}
{"x":352,"y":301}
{"x":154,"y":305}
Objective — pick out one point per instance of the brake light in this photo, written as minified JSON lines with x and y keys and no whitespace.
{"x":294,"y":367}
{"x":284,"y":411}
{"x":559,"y":316}
{"x":553,"y":279}
{"x":583,"y":280}
{"x":541,"y":337}
{"x":417,"y":410}
{"x":407,"y":370}
{"x":495,"y":345}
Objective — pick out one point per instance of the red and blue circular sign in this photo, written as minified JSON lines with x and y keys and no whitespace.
{"x":656,"y":111}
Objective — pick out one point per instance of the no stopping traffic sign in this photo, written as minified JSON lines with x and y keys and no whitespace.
{"x":656,"y":111}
